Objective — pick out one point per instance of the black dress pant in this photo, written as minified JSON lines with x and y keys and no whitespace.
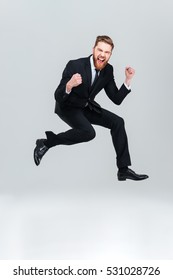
{"x":81,"y":119}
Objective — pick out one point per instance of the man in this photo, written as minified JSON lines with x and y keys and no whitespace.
{"x":81,"y":81}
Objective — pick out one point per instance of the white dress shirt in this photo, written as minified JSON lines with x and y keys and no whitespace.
{"x":93,"y":73}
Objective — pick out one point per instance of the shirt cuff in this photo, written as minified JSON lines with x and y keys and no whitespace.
{"x":128,"y":87}
{"x":66,"y":91}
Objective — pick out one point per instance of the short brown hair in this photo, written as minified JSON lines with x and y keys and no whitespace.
{"x":104,"y":38}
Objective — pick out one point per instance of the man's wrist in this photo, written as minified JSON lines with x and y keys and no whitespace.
{"x":68,"y":88}
{"x":128,"y":82}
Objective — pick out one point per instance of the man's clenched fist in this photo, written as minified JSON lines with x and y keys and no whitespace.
{"x":75,"y":81}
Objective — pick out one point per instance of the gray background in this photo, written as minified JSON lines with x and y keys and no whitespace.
{"x":72,"y":206}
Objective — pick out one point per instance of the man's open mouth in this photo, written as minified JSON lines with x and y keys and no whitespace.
{"x":100,"y":60}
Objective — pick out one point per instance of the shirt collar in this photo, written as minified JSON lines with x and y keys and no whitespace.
{"x":92,"y":62}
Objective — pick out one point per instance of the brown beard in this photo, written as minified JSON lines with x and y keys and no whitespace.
{"x":97,"y":66}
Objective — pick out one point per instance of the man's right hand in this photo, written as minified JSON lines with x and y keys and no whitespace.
{"x":75,"y":81}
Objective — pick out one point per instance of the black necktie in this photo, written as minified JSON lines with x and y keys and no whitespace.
{"x":95,"y":78}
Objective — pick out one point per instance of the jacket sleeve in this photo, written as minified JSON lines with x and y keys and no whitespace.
{"x":60,"y":93}
{"x":115,"y":94}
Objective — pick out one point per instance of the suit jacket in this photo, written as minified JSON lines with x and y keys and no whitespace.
{"x":82,"y":94}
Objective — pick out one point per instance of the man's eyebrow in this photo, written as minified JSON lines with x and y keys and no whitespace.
{"x":102,"y":50}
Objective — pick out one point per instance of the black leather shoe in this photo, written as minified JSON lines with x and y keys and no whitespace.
{"x":130,"y":174}
{"x":40,"y":150}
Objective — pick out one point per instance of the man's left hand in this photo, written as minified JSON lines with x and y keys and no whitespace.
{"x":129,"y":72}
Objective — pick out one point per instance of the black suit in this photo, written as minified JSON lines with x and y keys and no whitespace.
{"x":81,"y":94}
{"x":79,"y":110}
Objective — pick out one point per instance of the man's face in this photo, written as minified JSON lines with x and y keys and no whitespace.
{"x":101,"y":55}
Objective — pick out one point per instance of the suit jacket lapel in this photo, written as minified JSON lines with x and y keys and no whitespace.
{"x":88,"y":72}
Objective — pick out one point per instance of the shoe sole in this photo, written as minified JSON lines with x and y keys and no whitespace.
{"x":121,"y":179}
{"x":35,"y":159}
{"x":125,"y":178}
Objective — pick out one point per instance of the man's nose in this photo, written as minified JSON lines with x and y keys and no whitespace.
{"x":102,"y":54}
